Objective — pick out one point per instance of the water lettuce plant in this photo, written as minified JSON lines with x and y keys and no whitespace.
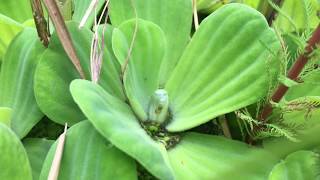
{"x":216,"y":74}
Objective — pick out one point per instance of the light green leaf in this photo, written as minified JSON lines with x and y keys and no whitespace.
{"x":200,"y":156}
{"x":299,"y":165}
{"x":309,"y":87}
{"x":300,"y":14}
{"x":8,"y":30}
{"x":116,"y":122}
{"x":18,"y":10}
{"x":16,"y":81}
{"x":307,"y":140}
{"x":37,"y":150}
{"x":5,"y":116}
{"x":80,"y":8}
{"x":174,"y":17}
{"x":223,"y":68}
{"x":55,"y":72}
{"x":14,"y":162}
{"x":87,"y":155}
{"x":141,"y":78}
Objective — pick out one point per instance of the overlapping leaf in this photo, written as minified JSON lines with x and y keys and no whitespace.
{"x":8,"y":30}
{"x":223,"y":68}
{"x":299,"y":165}
{"x":141,"y":78}
{"x":174,"y":17}
{"x":14,"y":162}
{"x":16,"y":81}
{"x":37,"y":150}
{"x":87,"y":155}
{"x":55,"y":72}
{"x":116,"y":122}
{"x":200,"y":156}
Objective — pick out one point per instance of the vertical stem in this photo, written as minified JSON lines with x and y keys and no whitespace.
{"x":63,"y":34}
{"x":293,"y":73}
{"x":40,"y":22}
{"x":225,"y":127}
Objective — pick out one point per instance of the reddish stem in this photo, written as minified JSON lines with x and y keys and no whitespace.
{"x":293,"y":73}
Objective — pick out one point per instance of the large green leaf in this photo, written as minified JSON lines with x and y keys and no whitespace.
{"x":8,"y":30}
{"x":200,"y":156}
{"x":223,"y":68}
{"x":80,"y":8}
{"x":16,"y":81}
{"x":299,"y":165}
{"x":37,"y":150}
{"x":87,"y":155}
{"x":116,"y":122}
{"x":55,"y":72}
{"x":174,"y":17}
{"x":142,"y":74}
{"x":18,"y":10}
{"x":14,"y":162}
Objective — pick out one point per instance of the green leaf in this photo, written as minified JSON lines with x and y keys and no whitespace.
{"x":307,"y":140}
{"x":18,"y":10}
{"x":14,"y":162}
{"x":200,"y":156}
{"x":80,"y":8}
{"x":87,"y":155}
{"x":299,"y":165}
{"x":37,"y":150}
{"x":297,"y":15}
{"x":5,"y":116}
{"x":141,"y":78}
{"x":174,"y":17}
{"x":8,"y":30}
{"x":116,"y":122}
{"x":16,"y":81}
{"x":223,"y":68}
{"x":55,"y":72}
{"x":309,"y":87}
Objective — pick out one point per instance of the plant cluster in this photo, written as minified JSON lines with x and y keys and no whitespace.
{"x":137,"y":89}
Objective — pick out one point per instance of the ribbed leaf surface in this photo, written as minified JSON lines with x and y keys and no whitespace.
{"x":299,"y":165}
{"x":142,"y":74}
{"x":37,"y":150}
{"x":55,"y":72}
{"x":16,"y":81}
{"x":214,"y":157}
{"x":14,"y":162}
{"x":173,"y":16}
{"x":228,"y":64}
{"x":87,"y":155}
{"x":116,"y":122}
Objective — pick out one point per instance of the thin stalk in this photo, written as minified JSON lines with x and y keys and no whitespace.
{"x":55,"y":166}
{"x":40,"y":22}
{"x":293,"y":73}
{"x":63,"y":34}
{"x":195,"y":14}
{"x":126,"y":62}
{"x":225,"y":127}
